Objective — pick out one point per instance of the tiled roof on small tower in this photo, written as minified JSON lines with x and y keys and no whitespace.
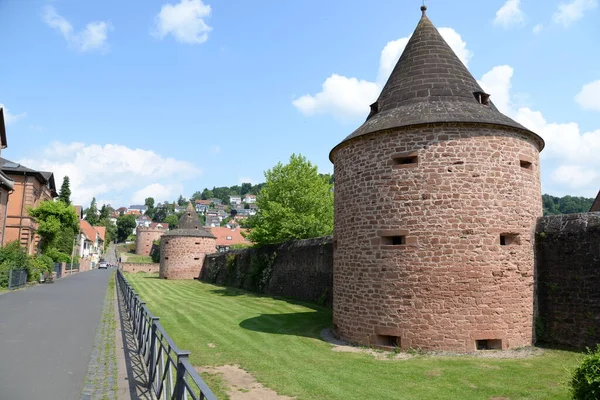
{"x":189,"y":225}
{"x":431,"y":85}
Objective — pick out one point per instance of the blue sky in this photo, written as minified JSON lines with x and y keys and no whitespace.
{"x":140,"y":98}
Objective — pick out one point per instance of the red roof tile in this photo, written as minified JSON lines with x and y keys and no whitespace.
{"x":101,"y":231}
{"x":88,"y":230}
{"x":222,"y":233}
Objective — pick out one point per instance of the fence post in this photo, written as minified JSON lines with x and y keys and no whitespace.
{"x":153,"y":357}
{"x":140,"y":325}
{"x":179,"y":382}
{"x":10,"y":279}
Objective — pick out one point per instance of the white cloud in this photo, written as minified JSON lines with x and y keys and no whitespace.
{"x":538,"y":28}
{"x":11,"y":118}
{"x":573,"y":11}
{"x":185,"y":21}
{"x":93,"y":37}
{"x":341,"y":96}
{"x":510,"y":14}
{"x":348,"y":98}
{"x":574,"y":176}
{"x":497,"y":83}
{"x":113,"y":171}
{"x":158,"y":192}
{"x":589,"y":97}
{"x":570,"y":159}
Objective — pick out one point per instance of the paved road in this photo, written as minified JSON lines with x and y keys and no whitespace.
{"x":46,"y":337}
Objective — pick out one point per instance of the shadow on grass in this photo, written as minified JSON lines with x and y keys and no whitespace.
{"x":229,"y":291}
{"x":307,"y":324}
{"x":552,"y":346}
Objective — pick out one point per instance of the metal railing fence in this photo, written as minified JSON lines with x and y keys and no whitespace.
{"x":171,"y":375}
{"x":17,"y":278}
{"x":58,"y":269}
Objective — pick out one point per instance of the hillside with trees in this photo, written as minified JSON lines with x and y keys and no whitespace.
{"x":566,"y":205}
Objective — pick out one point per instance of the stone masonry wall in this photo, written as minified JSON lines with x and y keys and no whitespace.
{"x":181,"y":257}
{"x":418,"y":254}
{"x":144,"y":239}
{"x":135,"y":267}
{"x":568,"y":280}
{"x":301,"y":269}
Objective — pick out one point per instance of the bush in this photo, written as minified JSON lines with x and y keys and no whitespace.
{"x":585,"y":383}
{"x":57,"y":256}
{"x":38,"y":265}
{"x":12,"y":256}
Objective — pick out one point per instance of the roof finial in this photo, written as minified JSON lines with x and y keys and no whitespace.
{"x":423,"y":8}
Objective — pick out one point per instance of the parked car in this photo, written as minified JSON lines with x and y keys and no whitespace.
{"x":103,"y":265}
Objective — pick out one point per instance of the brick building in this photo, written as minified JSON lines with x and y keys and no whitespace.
{"x":436,"y":198}
{"x":182,"y":250}
{"x":30,"y":188}
{"x":6,"y":184}
{"x":146,"y":235}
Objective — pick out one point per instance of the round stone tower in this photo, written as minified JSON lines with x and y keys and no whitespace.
{"x":145,"y":237}
{"x":183,"y":249}
{"x":436,"y":198}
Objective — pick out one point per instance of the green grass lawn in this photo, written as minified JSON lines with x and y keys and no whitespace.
{"x":133,"y":258}
{"x":278,"y":342}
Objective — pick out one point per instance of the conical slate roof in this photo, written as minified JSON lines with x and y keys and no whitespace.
{"x":189,"y":225}
{"x":430,"y":85}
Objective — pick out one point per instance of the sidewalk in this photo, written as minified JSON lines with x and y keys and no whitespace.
{"x":115,"y":371}
{"x":132,"y":377}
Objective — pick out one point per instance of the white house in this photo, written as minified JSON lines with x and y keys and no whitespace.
{"x":249,"y":198}
{"x":235,"y":200}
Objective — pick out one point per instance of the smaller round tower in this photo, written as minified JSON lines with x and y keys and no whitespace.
{"x":182,"y":250}
{"x":145,"y":237}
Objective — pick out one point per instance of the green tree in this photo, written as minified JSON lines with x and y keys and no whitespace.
{"x":565,"y":205}
{"x":104,"y":212}
{"x":65,"y":191}
{"x":149,"y":202}
{"x":53,"y":218}
{"x":160,"y":214}
{"x":172,"y":220}
{"x":295,"y":203}
{"x":91,"y":215}
{"x":196,"y":196}
{"x":207,"y":194}
{"x":125,"y":226}
{"x":181,"y":201}
{"x":111,"y":231}
{"x":246,"y":187}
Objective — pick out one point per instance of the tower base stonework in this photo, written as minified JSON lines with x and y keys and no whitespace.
{"x":436,"y":199}
{"x":182,"y":250}
{"x":182,"y":257}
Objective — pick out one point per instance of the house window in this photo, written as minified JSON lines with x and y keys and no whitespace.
{"x":482,"y":98}
{"x":393,"y":240}
{"x":374,"y":110}
{"x":228,"y":237}
{"x":388,"y":340}
{"x":405,"y":160}
{"x":488,"y":344}
{"x":526,"y":164}
{"x":509,"y":239}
